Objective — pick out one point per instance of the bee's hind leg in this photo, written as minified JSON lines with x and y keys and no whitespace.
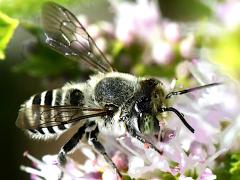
{"x":71,"y":144}
{"x":93,"y":140}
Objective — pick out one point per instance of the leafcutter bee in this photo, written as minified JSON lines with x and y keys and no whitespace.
{"x":110,"y":102}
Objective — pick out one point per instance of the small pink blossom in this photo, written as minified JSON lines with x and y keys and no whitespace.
{"x":197,"y":151}
{"x":208,"y":175}
{"x":162,"y":52}
{"x":167,"y":135}
{"x":187,"y":47}
{"x":132,"y":22}
{"x":121,"y":160}
{"x":172,"y":32}
{"x":182,"y":70}
{"x":109,"y":174}
{"x":229,"y":13}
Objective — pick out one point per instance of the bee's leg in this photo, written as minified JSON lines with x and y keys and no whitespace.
{"x":71,"y":144}
{"x":93,"y":140}
{"x":146,"y":143}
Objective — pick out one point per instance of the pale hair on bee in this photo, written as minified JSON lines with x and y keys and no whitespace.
{"x":110,"y":102}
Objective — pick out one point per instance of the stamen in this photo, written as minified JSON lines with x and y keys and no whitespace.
{"x":33,"y":159}
{"x":173,"y":84}
{"x":31,"y":170}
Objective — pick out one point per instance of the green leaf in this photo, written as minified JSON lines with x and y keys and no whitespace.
{"x":7,"y":28}
{"x":23,"y":8}
{"x":28,"y":9}
{"x":191,"y":173}
{"x":42,"y":61}
{"x":184,"y":10}
{"x":167,"y":176}
{"x":157,"y":70}
{"x":235,"y":164}
{"x":229,"y":167}
{"x":126,"y":57}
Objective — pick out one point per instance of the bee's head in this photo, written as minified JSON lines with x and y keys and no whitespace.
{"x":151,"y":96}
{"x":152,"y":102}
{"x":150,"y":99}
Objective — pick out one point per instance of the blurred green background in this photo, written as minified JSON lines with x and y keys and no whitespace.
{"x":30,"y":66}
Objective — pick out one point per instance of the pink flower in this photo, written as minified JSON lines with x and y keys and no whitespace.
{"x":131,"y":22}
{"x":172,"y":32}
{"x":162,"y":52}
{"x":187,"y":47}
{"x":207,"y":175}
{"x":121,"y":160}
{"x":229,"y":13}
{"x":205,"y":110}
{"x":174,"y":140}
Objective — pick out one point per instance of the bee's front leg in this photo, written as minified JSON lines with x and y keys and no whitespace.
{"x":93,"y":140}
{"x":71,"y":144}
{"x":136,"y":135}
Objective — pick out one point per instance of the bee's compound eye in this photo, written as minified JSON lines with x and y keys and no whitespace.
{"x":148,"y":124}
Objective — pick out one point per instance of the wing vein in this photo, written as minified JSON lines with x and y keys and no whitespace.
{"x":68,"y":36}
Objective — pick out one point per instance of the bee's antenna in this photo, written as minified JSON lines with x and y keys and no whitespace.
{"x":190,"y":90}
{"x":180,"y":115}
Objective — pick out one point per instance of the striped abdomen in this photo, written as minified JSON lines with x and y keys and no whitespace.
{"x":49,"y":113}
{"x":56,"y":97}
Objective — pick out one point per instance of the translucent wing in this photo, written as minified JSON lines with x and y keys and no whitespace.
{"x":67,"y":35}
{"x":39,"y":116}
